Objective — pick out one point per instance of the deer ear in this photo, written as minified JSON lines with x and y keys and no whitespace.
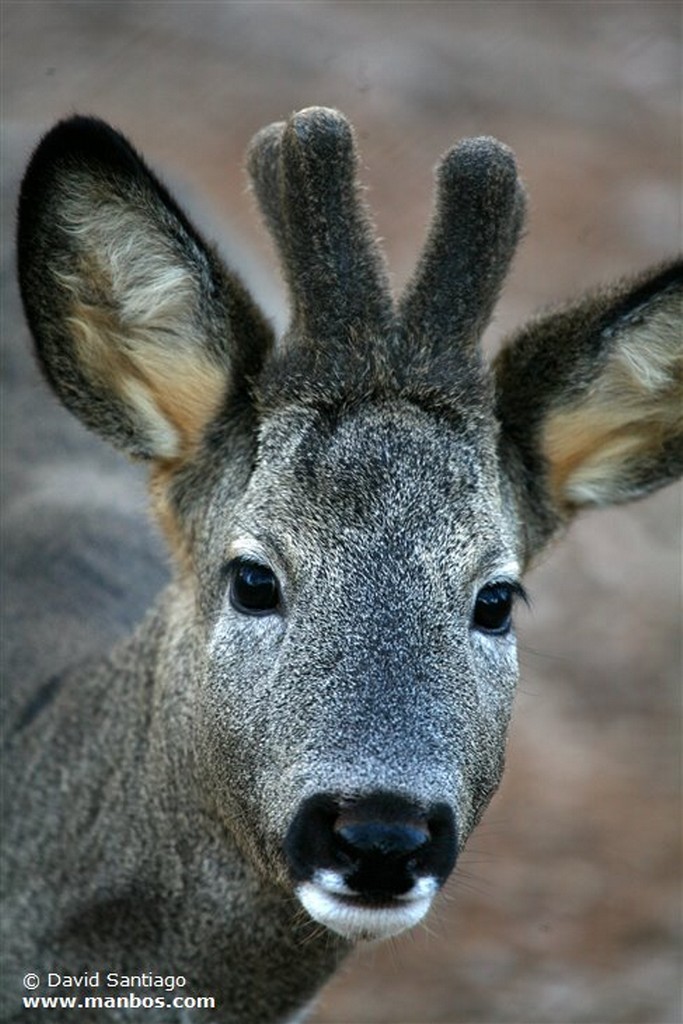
{"x":590,"y":400}
{"x":138,"y":326}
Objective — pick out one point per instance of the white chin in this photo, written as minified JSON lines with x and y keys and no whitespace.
{"x":345,"y":914}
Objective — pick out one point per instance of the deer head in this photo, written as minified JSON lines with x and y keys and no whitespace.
{"x":351,"y":507}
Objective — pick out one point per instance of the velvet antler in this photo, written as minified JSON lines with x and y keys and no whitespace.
{"x":346,"y":337}
{"x":304,"y":176}
{"x":477,"y":220}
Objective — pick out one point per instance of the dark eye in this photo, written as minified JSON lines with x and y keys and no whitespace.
{"x":493,"y":608}
{"x":254,"y":588}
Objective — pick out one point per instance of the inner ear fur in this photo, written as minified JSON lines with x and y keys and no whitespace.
{"x":138,"y":326}
{"x":590,"y":398}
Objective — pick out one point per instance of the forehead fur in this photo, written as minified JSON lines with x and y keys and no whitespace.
{"x":378,"y":468}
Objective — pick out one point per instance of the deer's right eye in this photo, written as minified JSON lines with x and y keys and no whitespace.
{"x":254,"y":589}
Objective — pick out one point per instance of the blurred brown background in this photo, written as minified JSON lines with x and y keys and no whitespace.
{"x":566,"y":907}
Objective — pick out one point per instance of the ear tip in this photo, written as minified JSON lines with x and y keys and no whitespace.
{"x":78,"y":127}
{"x":76,"y":143}
{"x":81,"y":137}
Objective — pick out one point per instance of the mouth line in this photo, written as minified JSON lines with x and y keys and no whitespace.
{"x":371,"y":901}
{"x":358,"y":916}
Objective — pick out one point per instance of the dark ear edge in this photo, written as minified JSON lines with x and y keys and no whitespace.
{"x":85,"y":141}
{"x":590,"y":401}
{"x":138,"y":326}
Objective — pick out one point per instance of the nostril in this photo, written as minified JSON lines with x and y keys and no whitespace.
{"x":393,"y":842}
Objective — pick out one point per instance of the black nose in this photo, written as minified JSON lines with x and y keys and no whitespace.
{"x":379,"y":845}
{"x":376,"y":839}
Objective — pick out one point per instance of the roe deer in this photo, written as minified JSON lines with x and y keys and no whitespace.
{"x":290,"y":751}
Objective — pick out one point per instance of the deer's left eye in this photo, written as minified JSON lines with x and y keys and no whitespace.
{"x":493,"y":607}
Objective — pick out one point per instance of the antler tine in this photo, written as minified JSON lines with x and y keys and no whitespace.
{"x":478,"y":217}
{"x":263,"y":166}
{"x":304,"y":176}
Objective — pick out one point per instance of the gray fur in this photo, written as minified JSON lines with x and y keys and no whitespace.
{"x":371,"y":459}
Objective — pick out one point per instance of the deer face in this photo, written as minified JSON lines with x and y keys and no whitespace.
{"x":361,"y":657}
